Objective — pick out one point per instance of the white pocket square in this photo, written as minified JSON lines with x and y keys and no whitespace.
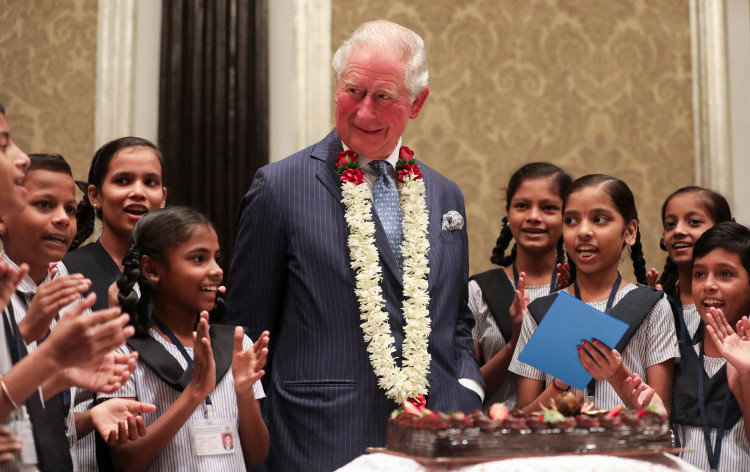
{"x":453,"y":221}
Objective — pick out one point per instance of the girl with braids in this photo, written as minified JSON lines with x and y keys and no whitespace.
{"x":124,"y":182}
{"x":534,"y":219}
{"x":686,"y":215}
{"x":182,"y":361}
{"x":599,"y":220}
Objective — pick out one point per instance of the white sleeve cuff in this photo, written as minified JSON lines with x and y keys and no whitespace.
{"x":474,"y":386}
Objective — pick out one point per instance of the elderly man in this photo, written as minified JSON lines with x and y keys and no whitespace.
{"x":354,"y":256}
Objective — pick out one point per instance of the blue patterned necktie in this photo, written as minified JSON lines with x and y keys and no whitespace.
{"x":387,"y":206}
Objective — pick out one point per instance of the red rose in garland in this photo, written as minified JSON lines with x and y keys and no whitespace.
{"x":406,"y":165}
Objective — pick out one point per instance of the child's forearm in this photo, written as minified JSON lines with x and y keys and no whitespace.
{"x":137,"y":454}
{"x":24,"y":378}
{"x":495,"y":370}
{"x":743,"y":398}
{"x":543,"y":399}
{"x":84,"y":425}
{"x":252,"y":430}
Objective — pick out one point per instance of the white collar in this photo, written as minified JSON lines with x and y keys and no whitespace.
{"x":392,"y":159}
{"x":27,"y":284}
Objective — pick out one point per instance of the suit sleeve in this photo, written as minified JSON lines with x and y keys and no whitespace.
{"x":257,"y":273}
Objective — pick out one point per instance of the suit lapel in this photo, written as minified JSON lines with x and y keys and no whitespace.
{"x":327,"y":150}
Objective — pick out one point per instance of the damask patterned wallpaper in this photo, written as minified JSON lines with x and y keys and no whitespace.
{"x":48,"y":76}
{"x":591,"y":85}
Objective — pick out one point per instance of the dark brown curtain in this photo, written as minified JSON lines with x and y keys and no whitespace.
{"x":213,"y":105}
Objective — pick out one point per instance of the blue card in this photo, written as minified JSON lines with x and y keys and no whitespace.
{"x":552,"y":347}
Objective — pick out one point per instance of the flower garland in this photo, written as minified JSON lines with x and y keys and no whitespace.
{"x":409,"y":382}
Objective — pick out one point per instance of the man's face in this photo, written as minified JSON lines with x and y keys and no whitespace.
{"x":373,"y":104}
{"x":13,"y":164}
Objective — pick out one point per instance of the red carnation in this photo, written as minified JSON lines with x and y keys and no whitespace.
{"x":420,"y":402}
{"x":409,"y":170}
{"x":356,"y":176}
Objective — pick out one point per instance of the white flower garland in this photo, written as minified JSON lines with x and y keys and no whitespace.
{"x":409,"y":381}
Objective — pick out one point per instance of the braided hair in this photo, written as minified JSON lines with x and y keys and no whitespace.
{"x":86,"y":214}
{"x":531,"y":171}
{"x":153,"y":235}
{"x":717,"y":208}
{"x":624,"y":201}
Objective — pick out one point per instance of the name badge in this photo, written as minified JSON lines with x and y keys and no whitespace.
{"x":22,"y":429}
{"x":210,"y":437}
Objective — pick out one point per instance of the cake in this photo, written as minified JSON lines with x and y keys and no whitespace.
{"x":565,"y":427}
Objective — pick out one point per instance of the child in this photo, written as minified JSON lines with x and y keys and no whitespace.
{"x":39,"y":235}
{"x":124,"y":182}
{"x":534,"y":208}
{"x":173,"y":258}
{"x":711,"y":402}
{"x":686,"y":214}
{"x":599,"y":220}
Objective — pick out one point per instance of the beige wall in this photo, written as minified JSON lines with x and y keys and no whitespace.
{"x":591,"y":85}
{"x":48,"y":76}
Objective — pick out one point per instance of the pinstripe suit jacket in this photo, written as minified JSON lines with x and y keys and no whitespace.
{"x":290,"y":274}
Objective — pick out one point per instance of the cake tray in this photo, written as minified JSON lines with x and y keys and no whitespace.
{"x":469,"y":460}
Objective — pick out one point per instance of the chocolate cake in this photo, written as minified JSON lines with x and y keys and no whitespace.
{"x":503,"y":433}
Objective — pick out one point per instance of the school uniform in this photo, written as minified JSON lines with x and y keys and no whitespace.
{"x":19,"y":304}
{"x":692,"y":318}
{"x":654,"y":342}
{"x":487,"y":333}
{"x":95,"y":263}
{"x":735,"y":450}
{"x":146,"y":386}
{"x":5,"y":365}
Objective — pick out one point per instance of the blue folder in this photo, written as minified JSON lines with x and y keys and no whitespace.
{"x":552,"y":347}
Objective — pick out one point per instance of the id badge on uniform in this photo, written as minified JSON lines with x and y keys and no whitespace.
{"x":215,"y":436}
{"x":22,"y":430}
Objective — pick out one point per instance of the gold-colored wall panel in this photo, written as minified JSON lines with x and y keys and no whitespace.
{"x":591,"y":85}
{"x":48,"y":76}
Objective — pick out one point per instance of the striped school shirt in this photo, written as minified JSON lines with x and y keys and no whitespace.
{"x":654,"y":342}
{"x":735,"y":450}
{"x":20,"y":307}
{"x":491,"y":341}
{"x":146,"y":386}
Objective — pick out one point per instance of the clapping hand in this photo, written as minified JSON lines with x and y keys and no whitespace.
{"x":519,"y":306}
{"x":651,"y":277}
{"x":563,"y":275}
{"x":733,"y":346}
{"x":50,"y":298}
{"x":80,"y":339}
{"x":204,"y":374}
{"x":119,"y":420}
{"x":247,"y":365}
{"x":106,"y":376}
{"x":9,"y":445}
{"x":9,"y":280}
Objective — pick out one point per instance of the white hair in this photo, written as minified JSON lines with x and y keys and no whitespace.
{"x":387,"y":36}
